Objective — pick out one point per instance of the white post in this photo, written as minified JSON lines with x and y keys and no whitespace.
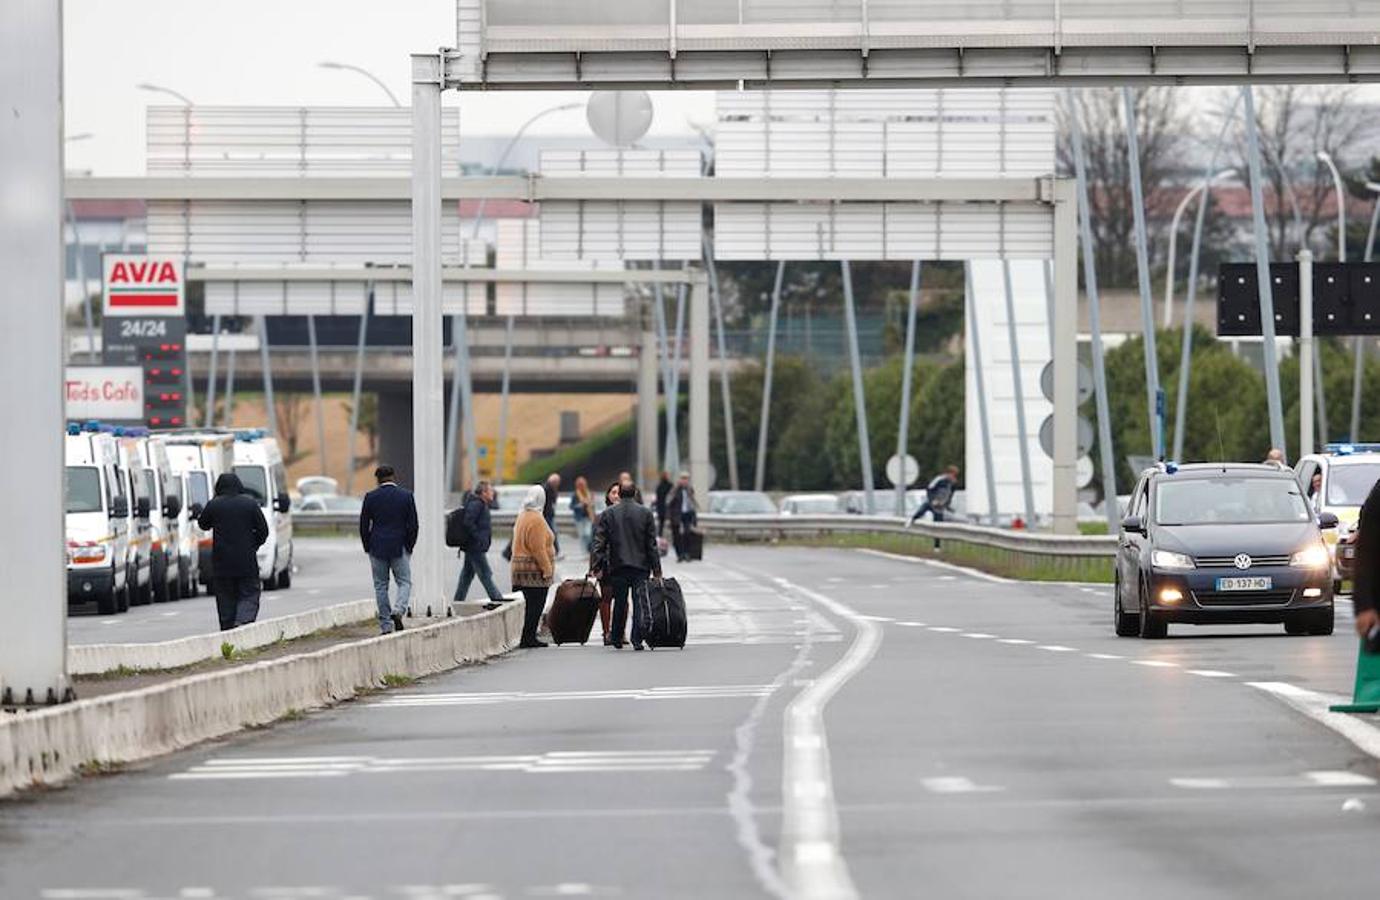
{"x":907,"y":370}
{"x":1066,"y":359}
{"x":428,"y":390}
{"x":646,"y":409}
{"x":211,"y":372}
{"x":725,"y":394}
{"x":859,"y":400}
{"x":760,"y":475}
{"x":698,"y":301}
{"x":672,"y":454}
{"x":316,"y":392}
{"x":1147,"y":316}
{"x":33,"y":641}
{"x":1305,"y":351}
{"x":1262,"y":269}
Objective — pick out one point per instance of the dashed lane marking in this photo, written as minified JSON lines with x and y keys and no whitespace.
{"x":1103,"y":656}
{"x":1058,"y":648}
{"x":912,"y":624}
{"x":569,"y":761}
{"x":978,"y":635}
{"x":953,"y":784}
{"x":1155,"y":663}
{"x":1211,"y":673}
{"x":685,"y":692}
{"x":1322,"y":779}
{"x":1015,"y":642}
{"x":944,"y":629}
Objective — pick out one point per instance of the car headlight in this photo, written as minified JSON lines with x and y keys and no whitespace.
{"x":1168,"y":559}
{"x":1314,"y":557}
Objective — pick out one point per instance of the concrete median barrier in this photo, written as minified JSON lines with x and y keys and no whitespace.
{"x":46,"y":746}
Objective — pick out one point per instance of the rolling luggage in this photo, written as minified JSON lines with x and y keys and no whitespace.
{"x":572,"y":611}
{"x":694,"y":543}
{"x":663,"y":614}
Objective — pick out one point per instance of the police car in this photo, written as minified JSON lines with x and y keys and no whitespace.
{"x":1337,"y":481}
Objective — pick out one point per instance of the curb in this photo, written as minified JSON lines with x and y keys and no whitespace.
{"x":50,"y":745}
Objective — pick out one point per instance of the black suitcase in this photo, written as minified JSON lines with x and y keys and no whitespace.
{"x":663,"y":614}
{"x":571,"y":614}
{"x":694,"y":544}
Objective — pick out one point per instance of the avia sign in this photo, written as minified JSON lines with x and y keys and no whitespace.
{"x":142,"y":285}
{"x":108,"y":393}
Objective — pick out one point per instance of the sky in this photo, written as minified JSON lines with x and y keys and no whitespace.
{"x":265,"y":52}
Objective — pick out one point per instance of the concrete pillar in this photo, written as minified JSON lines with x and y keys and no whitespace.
{"x":33,"y":640}
{"x":700,"y":475}
{"x":395,"y":437}
{"x":646,"y":410}
{"x":428,"y":388}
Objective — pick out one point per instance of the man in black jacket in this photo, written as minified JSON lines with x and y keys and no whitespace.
{"x":388,"y":530}
{"x":1365,"y":589}
{"x":625,"y":545}
{"x":663,"y":490}
{"x":479,"y":535}
{"x":681,"y":509}
{"x":238,"y":529}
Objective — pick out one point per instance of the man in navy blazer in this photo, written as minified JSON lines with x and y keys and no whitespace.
{"x":388,"y":530}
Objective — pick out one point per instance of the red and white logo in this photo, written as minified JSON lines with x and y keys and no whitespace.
{"x":143,"y":286}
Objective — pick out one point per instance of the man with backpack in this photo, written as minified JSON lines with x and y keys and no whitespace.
{"x":469,"y":528}
{"x":939,"y":495}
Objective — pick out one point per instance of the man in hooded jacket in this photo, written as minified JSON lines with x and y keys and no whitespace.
{"x":238,"y":529}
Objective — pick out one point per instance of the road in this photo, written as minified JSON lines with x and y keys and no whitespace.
{"x":326,"y":571}
{"x":883,"y":727}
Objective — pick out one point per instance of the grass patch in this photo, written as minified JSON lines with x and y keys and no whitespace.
{"x":1007,"y":563}
{"x":97,"y":768}
{"x":575,"y":455}
{"x":293,"y":714}
{"x":395,"y":681}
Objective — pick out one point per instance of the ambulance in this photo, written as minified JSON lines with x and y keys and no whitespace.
{"x":198,"y":457}
{"x":96,"y":520}
{"x":139,"y":558}
{"x":164,"y":491}
{"x":1337,"y":481}
{"x":259,"y":464}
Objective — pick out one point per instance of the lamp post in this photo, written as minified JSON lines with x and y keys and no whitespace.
{"x":1201,"y":188}
{"x":1358,"y":346}
{"x":507,"y":333}
{"x":79,"y":259}
{"x":346,"y":67}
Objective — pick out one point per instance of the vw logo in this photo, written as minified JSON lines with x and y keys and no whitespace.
{"x":1242,"y":561}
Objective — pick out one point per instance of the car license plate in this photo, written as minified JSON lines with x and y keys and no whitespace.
{"x":1250,"y":583}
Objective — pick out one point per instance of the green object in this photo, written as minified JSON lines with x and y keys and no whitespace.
{"x":1366,"y":696}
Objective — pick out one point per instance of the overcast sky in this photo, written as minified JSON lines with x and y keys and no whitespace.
{"x":265,"y":52}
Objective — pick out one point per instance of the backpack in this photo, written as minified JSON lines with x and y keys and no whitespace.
{"x":457,"y":529}
{"x":940,"y":493}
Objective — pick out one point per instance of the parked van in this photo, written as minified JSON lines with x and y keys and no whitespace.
{"x":165,"y":507}
{"x":140,"y":506}
{"x":199,"y":457}
{"x":259,"y":464}
{"x":97,"y":513}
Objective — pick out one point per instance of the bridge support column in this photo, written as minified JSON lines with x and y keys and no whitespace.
{"x":396,"y":445}
{"x":33,"y":640}
{"x":701,"y":477}
{"x":646,"y":410}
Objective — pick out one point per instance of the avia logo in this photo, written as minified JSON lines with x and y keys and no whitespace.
{"x":149,"y":272}
{"x":1242,"y":561}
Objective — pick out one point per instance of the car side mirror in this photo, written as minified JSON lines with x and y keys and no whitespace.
{"x":172,"y":507}
{"x":283,"y":503}
{"x":1133,"y":525}
{"x":195,"y":509}
{"x":142,"y":507}
{"x":1327,"y":520}
{"x":119,"y":508}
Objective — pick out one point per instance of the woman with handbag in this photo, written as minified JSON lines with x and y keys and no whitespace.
{"x":534,"y":562}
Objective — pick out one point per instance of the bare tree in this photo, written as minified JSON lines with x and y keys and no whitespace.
{"x":292,"y":414}
{"x":1160,"y":125}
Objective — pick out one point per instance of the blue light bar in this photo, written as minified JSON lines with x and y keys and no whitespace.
{"x":73,"y":428}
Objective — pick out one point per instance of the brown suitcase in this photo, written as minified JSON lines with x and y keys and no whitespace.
{"x":573,"y":610}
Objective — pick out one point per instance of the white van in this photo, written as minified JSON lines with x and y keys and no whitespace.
{"x":259,"y":464}
{"x":165,"y":508}
{"x":97,"y":511}
{"x":140,"y":507}
{"x":199,"y":457}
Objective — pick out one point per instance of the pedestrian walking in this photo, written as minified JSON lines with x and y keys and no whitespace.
{"x":1365,"y":589}
{"x":939,"y":495}
{"x":682,"y":511}
{"x":663,"y":490}
{"x":548,"y":510}
{"x":625,"y":544}
{"x":598,"y":568}
{"x":582,"y":510}
{"x":238,"y":529}
{"x":1275,"y":458}
{"x":534,"y":561}
{"x":388,"y":531}
{"x":476,"y":536}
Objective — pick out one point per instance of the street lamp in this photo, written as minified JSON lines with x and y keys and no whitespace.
{"x":328,"y":64}
{"x":78,"y":254}
{"x":1202,"y":188}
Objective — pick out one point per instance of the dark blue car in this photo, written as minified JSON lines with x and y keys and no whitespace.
{"x":1222,"y":543}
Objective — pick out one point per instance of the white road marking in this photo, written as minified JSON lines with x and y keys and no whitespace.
{"x":91,"y":893}
{"x":962,"y":570}
{"x":169,"y":614}
{"x":614,"y":761}
{"x":1315,"y":705}
{"x":1202,"y":784}
{"x":957,"y":785}
{"x":1014,"y":641}
{"x":1155,"y":663}
{"x":1058,"y":648}
{"x":978,"y":635}
{"x":1103,"y":656}
{"x":877,"y":618}
{"x":1339,"y":779}
{"x":912,"y":624}
{"x":944,"y":628}
{"x":812,"y":865}
{"x":1211,"y":673}
{"x":110,"y":621}
{"x":686,"y":692}
{"x":1323,"y":779}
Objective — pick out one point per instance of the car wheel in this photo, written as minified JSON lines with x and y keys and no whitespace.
{"x":285,"y":578}
{"x":1152,"y":627}
{"x":1127,"y":624}
{"x":108,"y":602}
{"x":124,"y":596}
{"x":158,"y":582}
{"x":1321,"y":621}
{"x":1296,"y":624}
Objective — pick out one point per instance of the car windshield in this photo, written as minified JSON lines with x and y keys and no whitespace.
{"x":83,"y":489}
{"x":1226,"y":500}
{"x":1348,"y":485}
{"x":815,"y":504}
{"x":146,"y":479}
{"x":198,"y":487}
{"x":746,"y":503}
{"x":255,"y":481}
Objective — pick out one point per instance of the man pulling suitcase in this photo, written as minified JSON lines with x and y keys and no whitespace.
{"x":625,"y":546}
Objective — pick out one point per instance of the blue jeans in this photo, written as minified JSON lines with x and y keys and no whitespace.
{"x":476,"y":563}
{"x":401,"y":569}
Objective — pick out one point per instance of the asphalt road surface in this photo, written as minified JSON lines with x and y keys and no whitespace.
{"x":841,"y":724}
{"x":326,"y":571}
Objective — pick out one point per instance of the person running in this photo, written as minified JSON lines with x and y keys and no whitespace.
{"x":625,"y":544}
{"x":478,"y":538}
{"x":534,"y":562}
{"x":939,"y":495}
{"x":388,"y":530}
{"x":582,"y":511}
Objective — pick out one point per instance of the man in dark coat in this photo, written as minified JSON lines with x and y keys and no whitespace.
{"x":478,"y":538}
{"x":1365,"y":591}
{"x":681,"y":509}
{"x":238,"y":529}
{"x":388,"y":530}
{"x":663,"y":490}
{"x":625,"y":545}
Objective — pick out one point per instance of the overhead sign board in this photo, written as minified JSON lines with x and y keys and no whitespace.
{"x":108,"y":393}
{"x":142,"y":285}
